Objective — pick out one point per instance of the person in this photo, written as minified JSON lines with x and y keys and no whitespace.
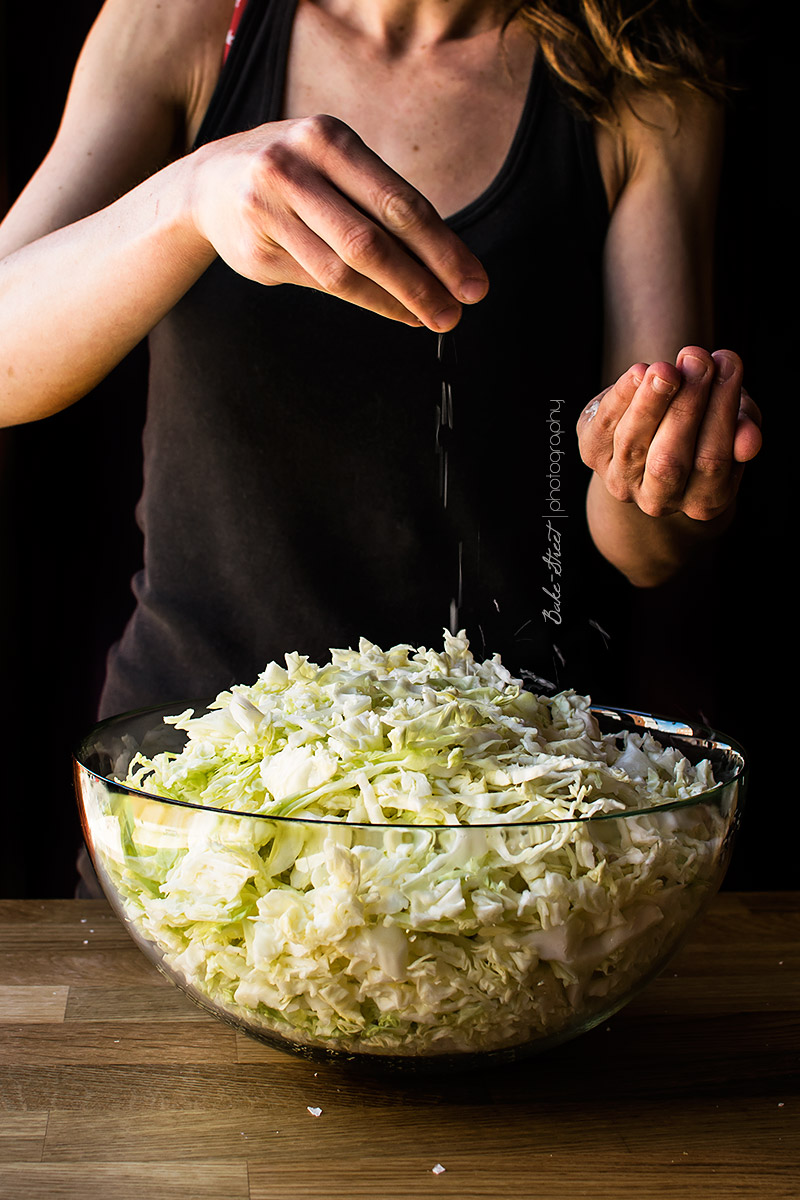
{"x":386,"y":253}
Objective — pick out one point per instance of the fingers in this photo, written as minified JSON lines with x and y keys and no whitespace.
{"x":352,"y":257}
{"x":673,"y":438}
{"x":624,"y":421}
{"x":297,"y":254}
{"x":644,"y":463}
{"x":401,"y":210}
{"x":712,"y":481}
{"x":379,"y":228}
{"x":672,"y":454}
{"x":599,"y":420}
{"x":747,"y":440}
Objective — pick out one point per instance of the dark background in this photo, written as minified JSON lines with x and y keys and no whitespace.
{"x":716,"y":646}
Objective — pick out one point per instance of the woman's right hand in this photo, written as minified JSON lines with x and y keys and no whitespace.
{"x":307,"y":202}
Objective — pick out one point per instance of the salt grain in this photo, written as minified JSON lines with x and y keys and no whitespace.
{"x":315,"y":1112}
{"x":438,"y":1169}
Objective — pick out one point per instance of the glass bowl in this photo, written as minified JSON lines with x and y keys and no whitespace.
{"x":408,"y":946}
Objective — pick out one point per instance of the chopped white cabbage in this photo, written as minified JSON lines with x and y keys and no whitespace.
{"x":363,"y":928}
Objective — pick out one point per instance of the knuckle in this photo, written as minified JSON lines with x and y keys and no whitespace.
{"x":618,"y":487}
{"x":713,"y":467}
{"x":334,"y":276}
{"x":450,"y":260}
{"x":261,"y":257}
{"x":698,"y":511}
{"x":419,"y":296}
{"x":275,"y":165}
{"x":704,"y":502}
{"x":628,"y":451}
{"x":666,"y":469}
{"x":684,"y":408}
{"x":319,"y":131}
{"x":606,"y":426}
{"x":654,"y":506}
{"x":703,"y":505}
{"x":401,"y":208}
{"x":361,"y":246}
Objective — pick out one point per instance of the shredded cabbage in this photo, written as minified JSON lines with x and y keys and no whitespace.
{"x":445,"y":890}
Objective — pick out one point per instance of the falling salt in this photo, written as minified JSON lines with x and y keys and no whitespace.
{"x":315,"y":1112}
{"x":438,"y":1169}
{"x":444,"y":423}
{"x":444,"y":430}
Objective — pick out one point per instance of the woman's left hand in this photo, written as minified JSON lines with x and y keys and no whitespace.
{"x":673,"y":438}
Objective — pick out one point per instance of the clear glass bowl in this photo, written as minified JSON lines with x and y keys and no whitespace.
{"x":497,"y":941}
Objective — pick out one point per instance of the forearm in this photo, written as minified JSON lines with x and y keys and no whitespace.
{"x":647,"y":550}
{"x":73,"y":303}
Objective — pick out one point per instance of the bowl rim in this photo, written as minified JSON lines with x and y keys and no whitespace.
{"x":702,"y":735}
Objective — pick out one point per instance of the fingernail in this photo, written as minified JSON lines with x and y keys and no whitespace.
{"x":473,"y":290}
{"x":693,"y":367}
{"x":446,"y":319}
{"x":725,"y":367}
{"x":662,"y":385}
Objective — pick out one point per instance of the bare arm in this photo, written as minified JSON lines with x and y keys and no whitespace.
{"x":84,"y":275}
{"x":667,"y":442}
{"x":115,"y":227}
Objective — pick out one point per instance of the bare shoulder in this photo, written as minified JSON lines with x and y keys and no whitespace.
{"x":163,"y":51}
{"x":140,"y":87}
{"x":674,"y":137}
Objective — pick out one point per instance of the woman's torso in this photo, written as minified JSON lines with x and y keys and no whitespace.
{"x":302,"y":485}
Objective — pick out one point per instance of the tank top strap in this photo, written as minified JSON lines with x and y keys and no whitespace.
{"x":251,"y":84}
{"x":236,"y":16}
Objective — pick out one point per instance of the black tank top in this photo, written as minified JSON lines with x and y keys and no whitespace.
{"x":305,"y":484}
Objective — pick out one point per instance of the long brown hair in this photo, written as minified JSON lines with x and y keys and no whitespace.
{"x":602,"y":49}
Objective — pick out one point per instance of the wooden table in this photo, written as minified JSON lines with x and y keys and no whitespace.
{"x":114,"y":1086}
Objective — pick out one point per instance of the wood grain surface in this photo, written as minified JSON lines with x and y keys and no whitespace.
{"x":114,"y":1086}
